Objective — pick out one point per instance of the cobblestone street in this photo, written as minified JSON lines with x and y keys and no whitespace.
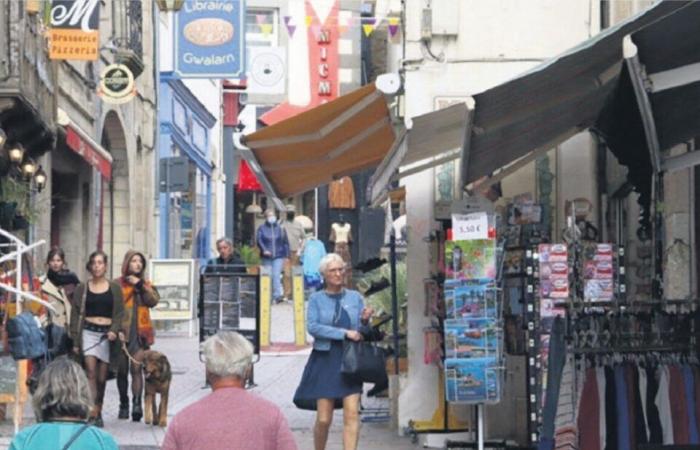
{"x":276,"y":376}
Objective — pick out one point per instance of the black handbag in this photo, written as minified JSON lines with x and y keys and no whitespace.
{"x":363,"y":361}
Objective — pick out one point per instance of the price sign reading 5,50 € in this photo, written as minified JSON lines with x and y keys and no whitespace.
{"x":467,"y":227}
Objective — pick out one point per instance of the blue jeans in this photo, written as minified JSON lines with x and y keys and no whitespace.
{"x":275,"y":266}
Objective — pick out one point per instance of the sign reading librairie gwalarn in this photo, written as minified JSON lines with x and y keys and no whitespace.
{"x":209,"y":39}
{"x":74,"y":30}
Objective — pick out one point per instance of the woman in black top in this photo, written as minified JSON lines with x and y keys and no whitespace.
{"x":96,"y":326}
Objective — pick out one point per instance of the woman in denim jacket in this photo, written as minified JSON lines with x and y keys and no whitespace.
{"x":333,"y":315}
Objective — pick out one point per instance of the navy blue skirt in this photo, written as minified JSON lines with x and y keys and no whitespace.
{"x":322,"y":377}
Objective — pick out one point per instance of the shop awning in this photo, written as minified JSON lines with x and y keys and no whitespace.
{"x":434,"y":138}
{"x":554,"y":101}
{"x":92,"y":152}
{"x":342,"y":137}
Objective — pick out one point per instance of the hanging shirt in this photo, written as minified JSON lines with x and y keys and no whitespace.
{"x":341,"y":194}
{"x":311,"y":256}
{"x":679,"y":411}
{"x":623,"y":418}
{"x":642,"y":380}
{"x":588,"y":413}
{"x":690,"y":400}
{"x":341,"y":234}
{"x":663,"y":403}
{"x":600,"y":381}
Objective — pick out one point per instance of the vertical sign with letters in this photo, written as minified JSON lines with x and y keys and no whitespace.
{"x":209,"y":39}
{"x":74,"y":30}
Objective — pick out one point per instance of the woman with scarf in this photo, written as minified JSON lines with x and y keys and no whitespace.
{"x":139,"y":296}
{"x":58,"y":285}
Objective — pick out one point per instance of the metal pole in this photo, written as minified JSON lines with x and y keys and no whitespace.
{"x":394,"y":300}
{"x":480,"y":421}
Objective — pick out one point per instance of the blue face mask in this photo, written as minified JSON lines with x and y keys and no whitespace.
{"x":271,"y":220}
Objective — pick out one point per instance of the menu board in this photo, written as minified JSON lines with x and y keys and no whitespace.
{"x":230,"y":302}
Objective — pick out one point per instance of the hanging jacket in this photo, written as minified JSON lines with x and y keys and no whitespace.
{"x":273,"y":239}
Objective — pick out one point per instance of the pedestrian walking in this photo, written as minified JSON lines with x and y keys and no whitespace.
{"x":58,"y":285}
{"x":230,"y":418}
{"x":274,"y":245}
{"x":96,"y":321}
{"x":228,"y":261}
{"x":62,"y":404}
{"x":139,"y":297}
{"x":295,"y":236}
{"x":334,"y":314}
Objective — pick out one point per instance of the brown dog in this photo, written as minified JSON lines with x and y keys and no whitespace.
{"x":157,"y":374}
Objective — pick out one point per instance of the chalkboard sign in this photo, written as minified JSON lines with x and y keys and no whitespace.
{"x":229,"y":302}
{"x":174,"y":279}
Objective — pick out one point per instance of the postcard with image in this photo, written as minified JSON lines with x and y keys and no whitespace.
{"x":470,"y":301}
{"x":473,"y":380}
{"x":465,"y":342}
{"x":471,"y":260}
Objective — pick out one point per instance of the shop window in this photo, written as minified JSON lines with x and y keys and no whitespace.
{"x":180,"y":116}
{"x":262,"y":27}
{"x":199,"y":136}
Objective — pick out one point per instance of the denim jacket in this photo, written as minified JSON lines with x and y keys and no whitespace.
{"x":321,"y":312}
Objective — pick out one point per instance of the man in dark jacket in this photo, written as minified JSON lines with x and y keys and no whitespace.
{"x":274,"y":246}
{"x":227,"y":262}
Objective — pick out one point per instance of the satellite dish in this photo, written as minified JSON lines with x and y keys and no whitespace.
{"x":388,"y":83}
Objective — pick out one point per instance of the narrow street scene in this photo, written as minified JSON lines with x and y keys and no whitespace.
{"x":349,"y":224}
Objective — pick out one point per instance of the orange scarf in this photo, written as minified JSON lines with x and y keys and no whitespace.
{"x":144,"y":326}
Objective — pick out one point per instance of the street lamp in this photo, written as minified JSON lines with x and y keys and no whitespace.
{"x":40,"y":179}
{"x":28,"y":168}
{"x":16,"y":153}
{"x":170,"y":5}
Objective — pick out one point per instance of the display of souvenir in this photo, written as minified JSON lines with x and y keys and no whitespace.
{"x":514,"y":262}
{"x":472,"y":380}
{"x":471,"y":260}
{"x":462,"y":341}
{"x":466,"y":301}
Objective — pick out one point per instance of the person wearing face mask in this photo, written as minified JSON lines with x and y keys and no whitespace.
{"x":295,"y":236}
{"x":139,"y":296}
{"x":274,"y":246}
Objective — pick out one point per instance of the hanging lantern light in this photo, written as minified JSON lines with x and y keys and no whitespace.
{"x":28,"y":168}
{"x":16,"y":153}
{"x":40,"y":179}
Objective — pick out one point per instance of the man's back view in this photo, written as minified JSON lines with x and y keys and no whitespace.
{"x":230,"y":418}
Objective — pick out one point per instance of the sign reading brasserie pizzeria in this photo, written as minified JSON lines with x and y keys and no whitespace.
{"x":209,"y":39}
{"x":116,"y":84}
{"x":74,"y":30}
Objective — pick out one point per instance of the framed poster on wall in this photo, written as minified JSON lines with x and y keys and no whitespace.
{"x":174,"y":279}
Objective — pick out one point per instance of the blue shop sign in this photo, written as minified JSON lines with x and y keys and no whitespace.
{"x":209,"y":39}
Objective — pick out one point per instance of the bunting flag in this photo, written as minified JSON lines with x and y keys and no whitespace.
{"x":290,"y":28}
{"x":393,"y":26}
{"x":344,"y":23}
{"x":266,"y":28}
{"x":368,"y":24}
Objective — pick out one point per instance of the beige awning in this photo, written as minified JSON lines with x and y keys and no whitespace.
{"x":342,"y":137}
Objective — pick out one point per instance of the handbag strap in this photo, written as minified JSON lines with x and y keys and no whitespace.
{"x":336,"y":315}
{"x":75,"y":436}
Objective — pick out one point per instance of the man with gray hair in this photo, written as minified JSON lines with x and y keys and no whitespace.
{"x":229,"y":418}
{"x":227,"y":262}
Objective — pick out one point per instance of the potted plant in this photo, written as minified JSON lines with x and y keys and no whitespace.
{"x":250,"y":257}
{"x":15,"y":207}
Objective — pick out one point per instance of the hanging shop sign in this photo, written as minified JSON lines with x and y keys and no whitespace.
{"x":116,"y":84}
{"x":74,"y":30}
{"x":209,"y":39}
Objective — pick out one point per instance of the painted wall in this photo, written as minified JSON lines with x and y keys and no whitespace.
{"x":497,"y":40}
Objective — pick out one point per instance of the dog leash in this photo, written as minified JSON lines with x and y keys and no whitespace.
{"x":102,"y":338}
{"x":128,"y":355}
